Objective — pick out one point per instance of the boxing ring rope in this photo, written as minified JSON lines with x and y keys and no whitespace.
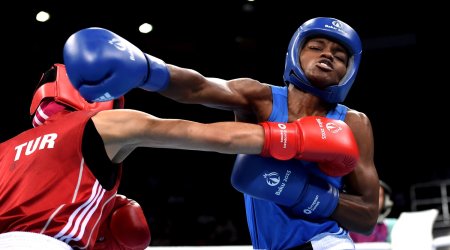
{"x":410,"y":229}
{"x":438,"y":243}
{"x":202,"y":248}
{"x":443,"y":241}
{"x":359,"y":246}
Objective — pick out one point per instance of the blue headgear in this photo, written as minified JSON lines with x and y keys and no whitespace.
{"x":336,"y":30}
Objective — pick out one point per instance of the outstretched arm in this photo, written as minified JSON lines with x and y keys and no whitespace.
{"x":103,"y":66}
{"x":190,"y":86}
{"x":124,"y":130}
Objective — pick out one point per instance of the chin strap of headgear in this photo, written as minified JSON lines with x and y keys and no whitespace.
{"x":46,"y":109}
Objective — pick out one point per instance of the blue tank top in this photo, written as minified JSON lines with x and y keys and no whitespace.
{"x":272,"y":228}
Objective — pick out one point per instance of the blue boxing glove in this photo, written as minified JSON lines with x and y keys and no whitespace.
{"x":103,"y":66}
{"x":286,"y":183}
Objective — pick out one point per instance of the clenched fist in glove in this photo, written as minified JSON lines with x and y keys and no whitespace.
{"x":103,"y":66}
{"x":326,"y":141}
{"x":125,"y":229}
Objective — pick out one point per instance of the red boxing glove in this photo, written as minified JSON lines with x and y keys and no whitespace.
{"x":319,"y":139}
{"x":125,"y":229}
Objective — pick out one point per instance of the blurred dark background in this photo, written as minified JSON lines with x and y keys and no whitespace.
{"x":187,"y":195}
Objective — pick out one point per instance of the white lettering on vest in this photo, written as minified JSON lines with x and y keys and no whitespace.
{"x":46,"y":141}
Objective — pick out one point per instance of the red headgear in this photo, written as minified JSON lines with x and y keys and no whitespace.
{"x":55,"y":84}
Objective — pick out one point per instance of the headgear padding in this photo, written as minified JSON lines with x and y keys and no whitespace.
{"x":329,"y":28}
{"x":55,"y":85}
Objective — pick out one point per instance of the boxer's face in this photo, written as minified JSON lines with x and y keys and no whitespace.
{"x":323,"y":61}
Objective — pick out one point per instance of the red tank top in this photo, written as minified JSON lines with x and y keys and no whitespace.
{"x":46,"y":187}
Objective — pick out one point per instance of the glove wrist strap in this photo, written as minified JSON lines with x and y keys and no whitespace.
{"x":159,"y":75}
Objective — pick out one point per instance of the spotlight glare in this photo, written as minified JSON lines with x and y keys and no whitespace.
{"x":145,"y":28}
{"x":42,"y":16}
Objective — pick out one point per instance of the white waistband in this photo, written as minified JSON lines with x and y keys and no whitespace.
{"x":30,"y":241}
{"x":332,"y":241}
